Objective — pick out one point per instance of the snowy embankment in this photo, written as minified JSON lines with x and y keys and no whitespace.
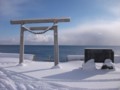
{"x":75,"y":57}
{"x":72,"y":75}
{"x":16,"y":55}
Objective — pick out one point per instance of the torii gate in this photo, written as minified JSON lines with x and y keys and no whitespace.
{"x":31,"y":29}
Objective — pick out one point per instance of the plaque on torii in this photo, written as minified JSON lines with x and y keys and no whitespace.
{"x":31,"y":29}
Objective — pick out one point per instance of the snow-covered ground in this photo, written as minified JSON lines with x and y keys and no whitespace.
{"x":34,"y":75}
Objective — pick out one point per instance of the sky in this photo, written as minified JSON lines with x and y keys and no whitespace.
{"x":92,"y":22}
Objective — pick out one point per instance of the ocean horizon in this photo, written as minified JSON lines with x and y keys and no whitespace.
{"x":46,"y":52}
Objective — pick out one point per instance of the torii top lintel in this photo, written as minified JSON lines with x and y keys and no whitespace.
{"x":49,"y":20}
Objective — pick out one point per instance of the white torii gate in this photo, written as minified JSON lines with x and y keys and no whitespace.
{"x":31,"y":29}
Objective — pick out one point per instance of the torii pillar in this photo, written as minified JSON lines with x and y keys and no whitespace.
{"x":21,"y":56}
{"x":56,"y":46}
{"x":54,"y":28}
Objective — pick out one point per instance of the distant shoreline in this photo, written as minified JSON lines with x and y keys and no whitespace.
{"x":69,"y":45}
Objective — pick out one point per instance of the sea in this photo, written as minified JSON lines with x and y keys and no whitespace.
{"x":46,"y":52}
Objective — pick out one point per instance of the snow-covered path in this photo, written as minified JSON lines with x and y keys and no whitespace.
{"x":12,"y":81}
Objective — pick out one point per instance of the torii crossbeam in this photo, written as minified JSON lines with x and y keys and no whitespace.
{"x":54,"y":28}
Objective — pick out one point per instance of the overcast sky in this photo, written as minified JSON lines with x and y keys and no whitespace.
{"x":93,"y":22}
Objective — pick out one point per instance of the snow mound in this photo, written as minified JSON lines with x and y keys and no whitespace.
{"x":89,"y":65}
{"x":56,"y":67}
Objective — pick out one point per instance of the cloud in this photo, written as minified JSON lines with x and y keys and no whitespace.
{"x":99,"y":32}
{"x":9,"y":41}
{"x":92,"y":33}
{"x":41,"y":39}
{"x":29,"y":39}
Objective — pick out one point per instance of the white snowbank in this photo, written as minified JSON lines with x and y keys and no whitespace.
{"x":16,"y":55}
{"x":75,"y":57}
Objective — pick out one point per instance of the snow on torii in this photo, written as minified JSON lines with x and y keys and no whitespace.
{"x":31,"y":29}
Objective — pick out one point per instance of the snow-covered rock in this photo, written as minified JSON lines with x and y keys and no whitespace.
{"x":109,"y":63}
{"x":89,"y":65}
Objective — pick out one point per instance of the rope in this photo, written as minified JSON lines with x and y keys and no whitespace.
{"x":28,"y":29}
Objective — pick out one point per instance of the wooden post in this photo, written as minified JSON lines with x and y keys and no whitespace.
{"x":21,"y":56}
{"x":56,"y":47}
